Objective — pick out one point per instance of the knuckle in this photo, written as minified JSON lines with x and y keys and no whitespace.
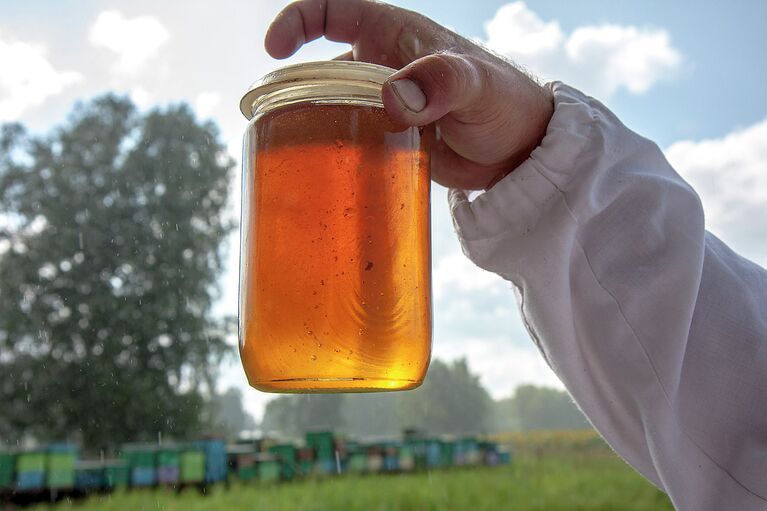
{"x":449,"y":73}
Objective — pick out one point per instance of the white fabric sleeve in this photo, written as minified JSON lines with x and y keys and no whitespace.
{"x":657,"y":329}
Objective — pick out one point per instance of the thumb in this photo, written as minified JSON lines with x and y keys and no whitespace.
{"x":431,"y":87}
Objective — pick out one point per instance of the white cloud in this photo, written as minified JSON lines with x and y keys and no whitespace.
{"x":455,"y":272}
{"x":28,"y":78}
{"x":140,"y":96}
{"x":630,"y":57}
{"x":516,"y":30}
{"x":599,"y":59}
{"x":730,"y":175}
{"x":206,"y":102}
{"x":134,"y":40}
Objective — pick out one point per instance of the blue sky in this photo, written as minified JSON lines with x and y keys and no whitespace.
{"x":689,"y":76}
{"x":723,"y":44}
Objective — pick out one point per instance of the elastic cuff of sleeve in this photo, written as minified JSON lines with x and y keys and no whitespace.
{"x":515,"y":204}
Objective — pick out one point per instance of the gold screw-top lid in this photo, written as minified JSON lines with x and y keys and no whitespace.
{"x":333,"y":81}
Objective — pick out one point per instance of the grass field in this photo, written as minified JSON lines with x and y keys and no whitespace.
{"x":551,"y":482}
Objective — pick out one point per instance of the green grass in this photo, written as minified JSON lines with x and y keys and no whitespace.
{"x":550,"y":483}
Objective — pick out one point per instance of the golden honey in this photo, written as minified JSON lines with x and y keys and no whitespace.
{"x":335,"y":283}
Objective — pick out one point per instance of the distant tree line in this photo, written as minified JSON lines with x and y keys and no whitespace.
{"x":532,"y":408}
{"x":451,"y":401}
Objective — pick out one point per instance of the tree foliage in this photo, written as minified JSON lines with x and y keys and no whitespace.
{"x":451,"y":401}
{"x":535,"y":408}
{"x":229,"y":416}
{"x":110,"y":247}
{"x":294,"y":415}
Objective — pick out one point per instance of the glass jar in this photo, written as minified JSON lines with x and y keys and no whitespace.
{"x":335,"y":270}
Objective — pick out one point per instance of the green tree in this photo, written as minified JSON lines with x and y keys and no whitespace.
{"x":280,"y":417}
{"x":319,"y":412}
{"x":292,"y":416}
{"x":229,"y":416}
{"x":110,"y":248}
{"x":534,"y":408}
{"x":373,"y":415}
{"x":451,"y":401}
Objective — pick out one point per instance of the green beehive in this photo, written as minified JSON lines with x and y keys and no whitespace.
{"x":192,"y":463}
{"x":306,"y":467}
{"x":168,"y":457}
{"x":323,"y":444}
{"x":375,"y":462}
{"x":30,"y":471}
{"x":139,"y":455}
{"x":116,"y":474}
{"x":470,"y":450}
{"x":418,"y":449}
{"x":406,"y":458}
{"x":243,"y":459}
{"x":269,"y":470}
{"x":32,"y":461}
{"x":7,"y":463}
{"x":357,"y":463}
{"x":60,"y":470}
{"x":446,"y":453}
{"x":247,"y":473}
{"x":286,"y":454}
{"x":168,"y":469}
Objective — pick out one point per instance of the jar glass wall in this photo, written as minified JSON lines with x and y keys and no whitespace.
{"x":335,"y":282}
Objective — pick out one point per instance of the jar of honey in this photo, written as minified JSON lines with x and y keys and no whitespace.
{"x":335,"y":274}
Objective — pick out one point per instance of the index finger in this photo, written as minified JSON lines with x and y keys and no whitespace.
{"x":379,"y":33}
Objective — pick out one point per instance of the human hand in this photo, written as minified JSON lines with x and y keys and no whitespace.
{"x":489,"y":115}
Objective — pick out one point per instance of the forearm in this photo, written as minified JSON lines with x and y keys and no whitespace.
{"x":606,"y":245}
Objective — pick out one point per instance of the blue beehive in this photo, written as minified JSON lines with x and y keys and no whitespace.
{"x":89,"y":475}
{"x":215,"y":460}
{"x":168,"y":475}
{"x":325,"y":467}
{"x":30,"y":480}
{"x":390,"y":457}
{"x":141,"y":458}
{"x":168,"y":463}
{"x":433,"y":454}
{"x":30,"y":470}
{"x":143,"y":476}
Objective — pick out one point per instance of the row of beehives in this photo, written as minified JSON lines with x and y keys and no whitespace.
{"x":58,"y":468}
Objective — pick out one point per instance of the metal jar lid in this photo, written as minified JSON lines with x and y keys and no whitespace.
{"x":333,"y":81}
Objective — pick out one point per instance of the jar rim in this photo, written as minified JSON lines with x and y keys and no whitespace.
{"x":338,"y":79}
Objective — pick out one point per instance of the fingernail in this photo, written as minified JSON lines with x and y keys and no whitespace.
{"x":410,"y":95}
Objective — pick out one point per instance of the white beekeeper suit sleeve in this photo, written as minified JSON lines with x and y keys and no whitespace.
{"x":657,"y":328}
